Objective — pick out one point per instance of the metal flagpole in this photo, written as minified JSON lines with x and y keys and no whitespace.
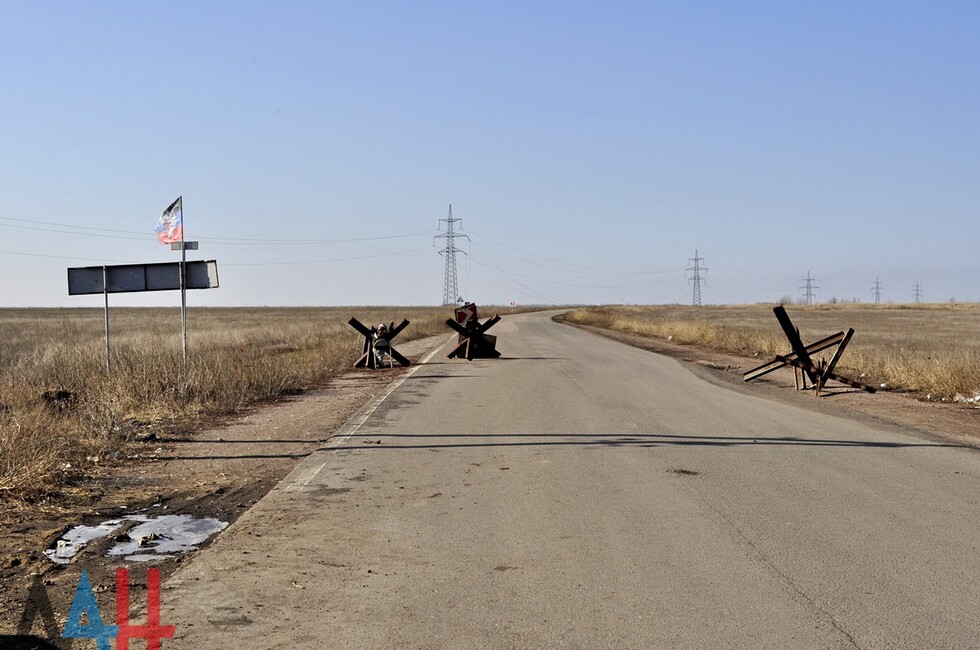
{"x":105,"y":292}
{"x":184,"y":245}
{"x":183,"y":296}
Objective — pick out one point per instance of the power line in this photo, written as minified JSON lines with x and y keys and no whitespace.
{"x":88,"y":194}
{"x":326,"y":261}
{"x":245,"y":241}
{"x":917,"y":292}
{"x":144,"y":237}
{"x":734,"y":282}
{"x":876,"y":291}
{"x":63,"y":257}
{"x":568,"y":268}
{"x":577,"y":285}
{"x":577,"y":268}
{"x":238,"y":209}
{"x":808,"y":289}
{"x":529,"y":290}
{"x":450,"y":287}
{"x":113,"y":233}
{"x":523,"y":288}
{"x":511,"y":288}
{"x":72,"y":225}
{"x":697,"y":279}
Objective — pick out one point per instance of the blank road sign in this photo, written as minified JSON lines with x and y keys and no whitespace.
{"x":126,"y":278}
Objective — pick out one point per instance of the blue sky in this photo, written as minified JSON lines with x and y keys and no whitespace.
{"x":589,"y":148}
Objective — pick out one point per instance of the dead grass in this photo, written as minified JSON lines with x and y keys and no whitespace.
{"x":62,"y":418}
{"x":932,"y":350}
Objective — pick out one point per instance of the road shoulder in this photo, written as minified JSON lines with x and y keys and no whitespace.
{"x":957,"y":422}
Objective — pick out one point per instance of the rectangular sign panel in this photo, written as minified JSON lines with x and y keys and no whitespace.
{"x":126,"y":278}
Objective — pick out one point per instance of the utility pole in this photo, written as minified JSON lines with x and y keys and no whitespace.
{"x":808,"y":288}
{"x":450,"y":288}
{"x":917,"y":291}
{"x":876,"y":291}
{"x":697,"y":279}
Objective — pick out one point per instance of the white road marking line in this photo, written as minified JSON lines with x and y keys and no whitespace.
{"x":304,"y":479}
{"x":350,"y":427}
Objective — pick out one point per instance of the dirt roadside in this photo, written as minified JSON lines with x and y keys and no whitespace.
{"x":218,"y":472}
{"x":959,"y":422}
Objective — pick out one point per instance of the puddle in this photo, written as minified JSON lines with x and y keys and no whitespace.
{"x":78,"y":538}
{"x":163,"y":536}
{"x":152,"y":538}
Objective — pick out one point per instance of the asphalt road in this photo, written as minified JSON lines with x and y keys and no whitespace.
{"x":581,"y":493}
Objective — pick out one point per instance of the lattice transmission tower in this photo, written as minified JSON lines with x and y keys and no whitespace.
{"x":876,"y":291}
{"x":808,"y":288}
{"x":696,"y":280}
{"x":450,"y":287}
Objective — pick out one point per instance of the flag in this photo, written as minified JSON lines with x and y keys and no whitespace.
{"x":170,"y":225}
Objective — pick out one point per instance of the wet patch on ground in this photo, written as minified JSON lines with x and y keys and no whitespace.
{"x":165,"y":536}
{"x":147,"y":538}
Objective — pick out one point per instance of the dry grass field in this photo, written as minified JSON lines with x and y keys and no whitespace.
{"x":61,"y":417}
{"x":932,"y":350}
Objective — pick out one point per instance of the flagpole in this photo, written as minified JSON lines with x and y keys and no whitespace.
{"x":183,"y":302}
{"x":183,"y":285}
{"x":166,"y":229}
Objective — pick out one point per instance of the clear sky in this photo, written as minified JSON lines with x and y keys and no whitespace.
{"x":589,"y":147}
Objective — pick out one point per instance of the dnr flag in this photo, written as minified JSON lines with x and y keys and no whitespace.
{"x":170,"y":225}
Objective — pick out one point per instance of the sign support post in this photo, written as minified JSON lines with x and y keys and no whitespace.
{"x":105,"y":293}
{"x":184,"y":246}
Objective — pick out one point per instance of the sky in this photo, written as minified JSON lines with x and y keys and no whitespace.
{"x":590,"y":148}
